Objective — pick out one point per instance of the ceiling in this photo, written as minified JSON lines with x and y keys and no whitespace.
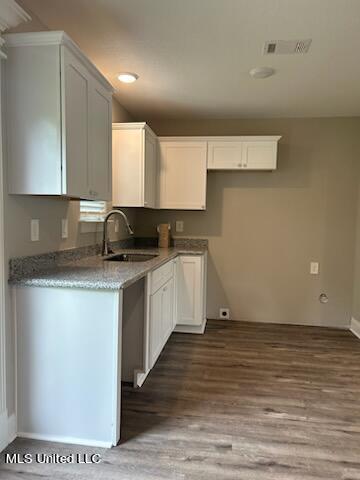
{"x":193,"y":56}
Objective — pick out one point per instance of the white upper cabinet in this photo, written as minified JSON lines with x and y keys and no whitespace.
{"x":135,"y":172}
{"x":58,"y":119}
{"x":183,"y":167}
{"x":243,"y":153}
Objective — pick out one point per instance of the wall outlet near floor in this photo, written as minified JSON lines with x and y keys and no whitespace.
{"x":179,"y":226}
{"x":314,"y":268}
{"x":64,"y":228}
{"x":35,"y":230}
{"x":224,"y":313}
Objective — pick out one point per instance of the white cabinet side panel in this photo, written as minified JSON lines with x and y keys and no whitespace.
{"x":127,"y":168}
{"x":33,"y":116}
{"x":151,"y":171}
{"x":67,"y":363}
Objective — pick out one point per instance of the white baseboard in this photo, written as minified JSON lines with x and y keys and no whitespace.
{"x":60,"y":439}
{"x":140,"y":377}
{"x":12,"y":428}
{"x":4,"y":440}
{"x":355,"y":327}
{"x":199,"y":329}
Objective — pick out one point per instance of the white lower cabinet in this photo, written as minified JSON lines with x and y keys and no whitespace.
{"x":176,"y":300}
{"x":68,"y":344}
{"x":190,"y":293}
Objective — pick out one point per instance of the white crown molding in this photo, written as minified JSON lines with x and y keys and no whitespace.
{"x":11,"y":14}
{"x":33,"y":39}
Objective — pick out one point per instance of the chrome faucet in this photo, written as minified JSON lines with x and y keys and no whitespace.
{"x":106,"y":250}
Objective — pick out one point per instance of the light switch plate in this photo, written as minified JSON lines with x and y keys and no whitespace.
{"x":179,"y":226}
{"x":314,"y":268}
{"x":64,"y":228}
{"x":35,"y":230}
{"x":116,"y":226}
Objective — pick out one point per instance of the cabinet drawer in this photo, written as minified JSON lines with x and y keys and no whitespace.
{"x":161,"y":275}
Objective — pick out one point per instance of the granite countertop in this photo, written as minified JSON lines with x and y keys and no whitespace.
{"x":92,"y":272}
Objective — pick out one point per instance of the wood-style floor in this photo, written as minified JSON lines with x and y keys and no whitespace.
{"x":242,"y":402}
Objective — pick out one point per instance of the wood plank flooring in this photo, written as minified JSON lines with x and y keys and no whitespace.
{"x":242,"y":402}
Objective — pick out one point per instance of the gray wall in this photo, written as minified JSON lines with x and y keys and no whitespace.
{"x":265,"y":228}
{"x":18,"y":210}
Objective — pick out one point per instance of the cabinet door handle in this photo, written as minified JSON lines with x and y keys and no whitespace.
{"x":165,"y":288}
{"x":239,"y":165}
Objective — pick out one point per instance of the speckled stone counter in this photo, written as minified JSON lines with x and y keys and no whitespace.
{"x":93,"y":272}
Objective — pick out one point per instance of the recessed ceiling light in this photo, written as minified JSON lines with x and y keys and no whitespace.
{"x":127,"y":77}
{"x":262,"y":72}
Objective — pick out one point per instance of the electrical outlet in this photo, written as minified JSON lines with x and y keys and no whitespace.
{"x":35,"y":230}
{"x":64,"y":228}
{"x":224,"y":313}
{"x":179,"y":226}
{"x":314,"y":268}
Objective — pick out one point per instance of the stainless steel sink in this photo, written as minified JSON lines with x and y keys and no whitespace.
{"x":131,"y":257}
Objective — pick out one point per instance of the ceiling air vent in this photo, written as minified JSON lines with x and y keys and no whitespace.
{"x":286,"y":47}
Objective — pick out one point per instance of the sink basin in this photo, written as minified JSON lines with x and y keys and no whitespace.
{"x":131,"y":257}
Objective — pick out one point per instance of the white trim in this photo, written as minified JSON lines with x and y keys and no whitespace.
{"x":3,"y":430}
{"x":355,"y":327}
{"x":11,"y":14}
{"x":56,"y":38}
{"x":12,"y":428}
{"x":60,"y":439}
{"x":228,"y":138}
{"x":133,"y":126}
{"x":140,"y":377}
{"x":3,"y":409}
{"x":199,"y":329}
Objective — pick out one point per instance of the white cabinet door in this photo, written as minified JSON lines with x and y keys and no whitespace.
{"x":190,"y":290}
{"x":150,"y":167}
{"x":155,"y":327}
{"x":259,"y":155}
{"x":75,"y":119}
{"x":167,"y":316}
{"x":183,"y":167}
{"x":161,"y":322}
{"x":100,"y":128}
{"x":223,"y":155}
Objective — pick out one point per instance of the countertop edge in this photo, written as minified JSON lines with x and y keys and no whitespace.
{"x":48,"y":282}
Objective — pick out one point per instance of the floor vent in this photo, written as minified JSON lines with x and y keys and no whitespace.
{"x":286,"y":47}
